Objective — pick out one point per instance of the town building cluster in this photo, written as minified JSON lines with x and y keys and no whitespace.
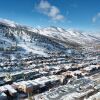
{"x":56,"y":77}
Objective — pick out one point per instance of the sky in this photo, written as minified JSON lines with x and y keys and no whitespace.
{"x":77,"y":14}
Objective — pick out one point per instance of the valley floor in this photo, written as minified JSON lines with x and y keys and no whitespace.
{"x":56,"y":77}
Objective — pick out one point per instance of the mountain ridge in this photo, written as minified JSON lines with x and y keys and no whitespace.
{"x":41,"y":41}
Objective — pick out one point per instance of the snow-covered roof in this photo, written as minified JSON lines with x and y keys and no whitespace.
{"x":10,"y":88}
{"x":95,"y":97}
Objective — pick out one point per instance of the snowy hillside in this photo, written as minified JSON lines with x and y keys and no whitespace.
{"x":70,"y":35}
{"x":14,"y":35}
{"x":41,"y":41}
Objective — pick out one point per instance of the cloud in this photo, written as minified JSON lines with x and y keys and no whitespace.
{"x":49,"y":10}
{"x":44,"y":5}
{"x":95,"y":18}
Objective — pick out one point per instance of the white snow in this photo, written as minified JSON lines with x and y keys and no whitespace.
{"x":23,"y":39}
{"x":8,"y":22}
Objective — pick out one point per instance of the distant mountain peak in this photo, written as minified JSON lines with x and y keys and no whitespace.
{"x":8,"y":22}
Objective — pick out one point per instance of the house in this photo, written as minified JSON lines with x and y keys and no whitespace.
{"x":25,"y":86}
{"x":11,"y":90}
{"x":95,"y":97}
{"x":16,"y":76}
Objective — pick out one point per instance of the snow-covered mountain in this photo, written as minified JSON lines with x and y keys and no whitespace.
{"x":70,"y":35}
{"x":41,"y":41}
